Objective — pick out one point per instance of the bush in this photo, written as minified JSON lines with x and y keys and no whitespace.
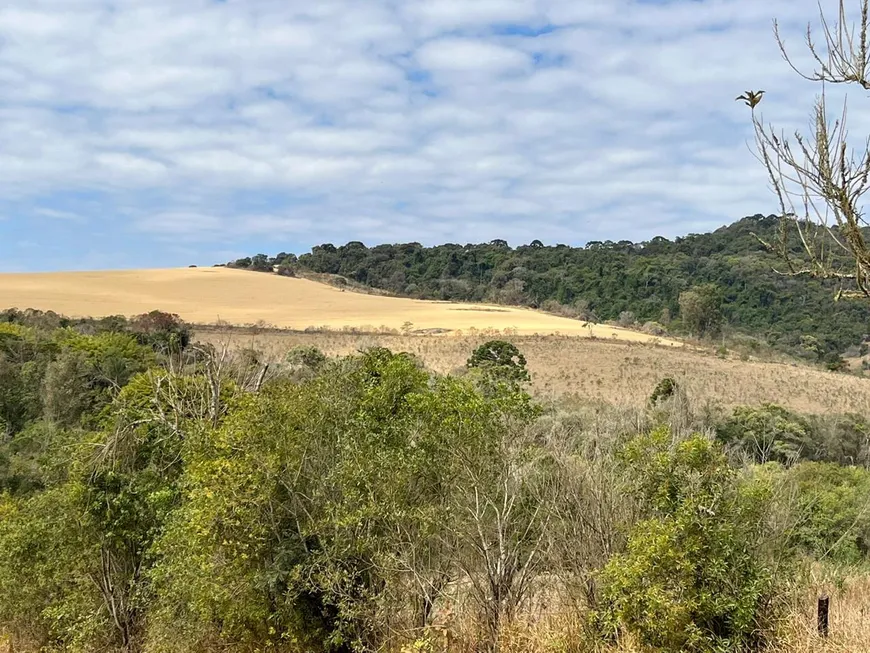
{"x":627,"y":319}
{"x":309,"y":357}
{"x":768,"y":433}
{"x":694,"y":577}
{"x":833,"y":506}
{"x":654,"y":329}
{"x":161,"y":331}
{"x":664,"y":390}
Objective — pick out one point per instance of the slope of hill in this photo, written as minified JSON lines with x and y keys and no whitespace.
{"x":210,"y":295}
{"x":605,"y":371}
{"x":606,"y":278}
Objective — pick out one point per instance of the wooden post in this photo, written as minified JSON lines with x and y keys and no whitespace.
{"x":824,"y":605}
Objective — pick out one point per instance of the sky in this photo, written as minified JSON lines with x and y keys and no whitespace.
{"x":162,"y":133}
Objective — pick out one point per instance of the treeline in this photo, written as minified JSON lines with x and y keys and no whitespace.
{"x":162,"y":495}
{"x":614,"y":281}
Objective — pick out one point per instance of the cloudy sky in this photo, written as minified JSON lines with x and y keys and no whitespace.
{"x":150,"y":133}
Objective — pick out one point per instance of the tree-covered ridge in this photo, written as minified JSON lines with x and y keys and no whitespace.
{"x":606,"y":280}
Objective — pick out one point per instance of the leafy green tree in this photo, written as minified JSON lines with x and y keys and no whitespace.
{"x":261,"y":263}
{"x":310,"y":357}
{"x":500,"y":360}
{"x":701,"y":310}
{"x":328,"y":515}
{"x":834,"y":506}
{"x":68,"y":388}
{"x":48,"y":599}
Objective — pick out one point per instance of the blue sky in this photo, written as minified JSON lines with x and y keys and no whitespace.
{"x":152,"y":133}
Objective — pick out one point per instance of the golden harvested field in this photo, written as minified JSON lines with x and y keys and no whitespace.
{"x":238,"y":297}
{"x":596,"y":362}
{"x":600,"y":370}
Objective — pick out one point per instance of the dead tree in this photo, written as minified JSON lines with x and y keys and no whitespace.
{"x":818,"y":179}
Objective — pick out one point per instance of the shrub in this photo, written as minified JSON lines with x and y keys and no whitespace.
{"x":654,"y":329}
{"x":693,"y":577}
{"x":627,"y":319}
{"x":161,"y":331}
{"x":309,"y":357}
{"x":768,"y":433}
{"x":833,"y":505}
{"x":663,"y":391}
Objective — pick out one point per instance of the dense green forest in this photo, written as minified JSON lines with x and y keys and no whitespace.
{"x":157,"y":494}
{"x":624,"y":281}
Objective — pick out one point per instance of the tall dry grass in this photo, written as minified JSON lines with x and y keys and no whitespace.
{"x":566,"y":632}
{"x":596,"y":370}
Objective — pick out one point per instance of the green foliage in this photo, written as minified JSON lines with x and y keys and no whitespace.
{"x":500,"y":360}
{"x":158,"y":507}
{"x":834,"y":510}
{"x":47,"y":598}
{"x":694,"y":576}
{"x":663,"y":391}
{"x":604,"y":279}
{"x":701,"y":309}
{"x":164,"y":332}
{"x":308,"y":357}
{"x":38,"y":457}
{"x":768,"y":433}
{"x":297,"y":522}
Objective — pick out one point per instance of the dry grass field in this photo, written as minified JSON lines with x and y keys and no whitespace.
{"x":615,"y":372}
{"x":238,"y":297}
{"x":595,"y":362}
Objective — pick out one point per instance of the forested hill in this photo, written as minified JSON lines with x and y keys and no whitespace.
{"x":604,"y":280}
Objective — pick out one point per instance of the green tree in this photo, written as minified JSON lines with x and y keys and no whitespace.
{"x":47,"y":598}
{"x":500,"y":360}
{"x":331,"y":515}
{"x":834,"y":505}
{"x":701,"y":310}
{"x":768,"y":433}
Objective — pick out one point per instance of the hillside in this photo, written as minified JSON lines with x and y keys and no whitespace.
{"x":604,"y":372}
{"x":210,"y":295}
{"x":604,"y":279}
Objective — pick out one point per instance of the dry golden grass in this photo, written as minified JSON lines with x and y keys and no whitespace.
{"x":210,"y":295}
{"x":594,"y":362}
{"x":565,"y":632}
{"x":849,"y":619}
{"x":600,"y":370}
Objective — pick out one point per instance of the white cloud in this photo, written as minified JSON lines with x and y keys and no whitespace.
{"x":227,"y":122}
{"x":470,"y":56}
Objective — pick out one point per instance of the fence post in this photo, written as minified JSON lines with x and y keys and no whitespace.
{"x":824,"y":605}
